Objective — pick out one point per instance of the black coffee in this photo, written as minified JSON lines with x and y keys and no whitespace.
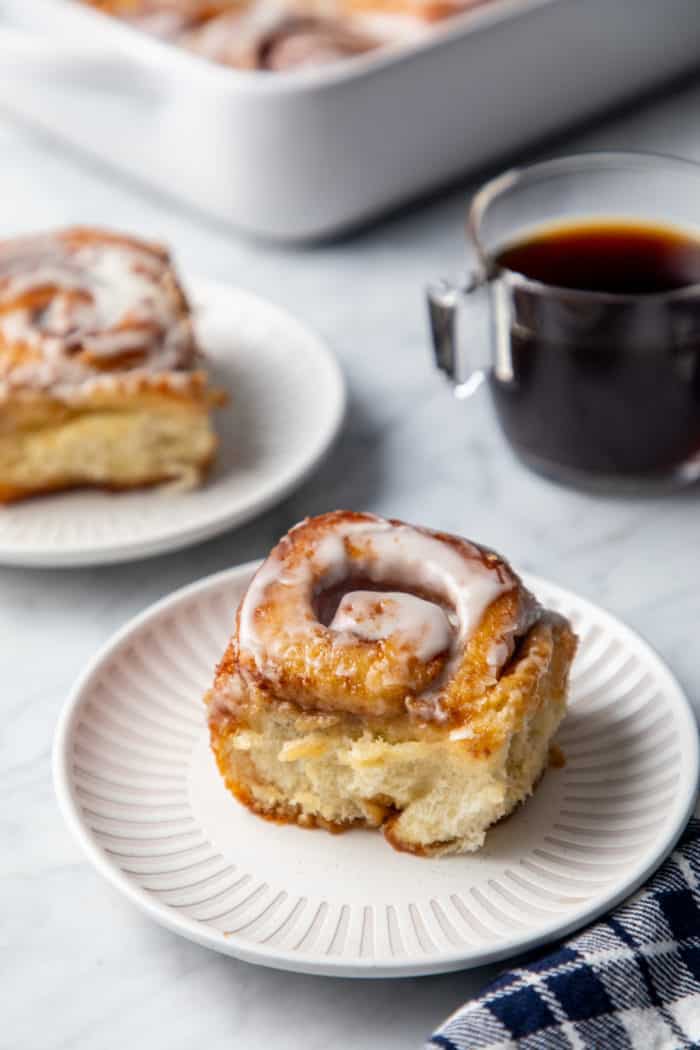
{"x":605,"y":385}
{"x":619,"y":258}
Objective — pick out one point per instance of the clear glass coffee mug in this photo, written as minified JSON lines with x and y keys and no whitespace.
{"x":592,"y":387}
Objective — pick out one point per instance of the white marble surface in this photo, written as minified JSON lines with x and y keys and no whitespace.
{"x":82,"y":969}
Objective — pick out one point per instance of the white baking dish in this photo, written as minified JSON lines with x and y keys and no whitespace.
{"x":308,"y":154}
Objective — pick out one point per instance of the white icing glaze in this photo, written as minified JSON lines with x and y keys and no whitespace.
{"x":106,"y":299}
{"x":420,"y":626}
{"x":399,"y":555}
{"x":497,"y":655}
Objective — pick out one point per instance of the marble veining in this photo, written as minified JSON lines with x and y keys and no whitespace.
{"x":80,"y":968}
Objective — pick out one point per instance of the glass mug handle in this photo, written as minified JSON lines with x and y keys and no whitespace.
{"x":464,"y":361}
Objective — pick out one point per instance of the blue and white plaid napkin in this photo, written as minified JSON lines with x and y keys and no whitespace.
{"x":630,"y":982}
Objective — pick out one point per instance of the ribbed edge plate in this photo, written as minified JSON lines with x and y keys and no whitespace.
{"x":287,"y":401}
{"x":138,"y":786}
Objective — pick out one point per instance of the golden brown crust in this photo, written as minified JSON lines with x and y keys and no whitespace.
{"x":312,"y":673}
{"x":426,"y":10}
{"x":545,"y":653}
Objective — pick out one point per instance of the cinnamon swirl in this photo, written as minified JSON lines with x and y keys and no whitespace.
{"x":391,"y":676}
{"x":270,"y":36}
{"x":99,"y":376}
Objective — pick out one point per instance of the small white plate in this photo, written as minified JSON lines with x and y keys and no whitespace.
{"x":287,"y":403}
{"x":137,"y":783}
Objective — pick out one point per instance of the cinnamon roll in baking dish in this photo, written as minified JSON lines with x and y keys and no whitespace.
{"x":100,"y":381}
{"x":282,"y":35}
{"x":389,"y":676}
{"x":270,"y":36}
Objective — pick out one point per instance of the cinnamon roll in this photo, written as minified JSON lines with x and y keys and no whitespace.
{"x":272,"y":35}
{"x":283,"y":35}
{"x":100,"y":377}
{"x":268,"y":35}
{"x":389,"y":676}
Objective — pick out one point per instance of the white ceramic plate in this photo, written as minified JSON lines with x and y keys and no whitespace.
{"x":138,"y":786}
{"x":287,"y":404}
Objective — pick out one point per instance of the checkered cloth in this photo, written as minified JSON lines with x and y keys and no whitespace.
{"x":630,"y":982}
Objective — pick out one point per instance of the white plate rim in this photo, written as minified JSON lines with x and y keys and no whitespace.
{"x":441,"y":961}
{"x":217,"y":523}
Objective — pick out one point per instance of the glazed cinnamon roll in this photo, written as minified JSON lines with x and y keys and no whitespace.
{"x":270,"y":36}
{"x":283,"y":35}
{"x":100,"y":377}
{"x":389,"y":676}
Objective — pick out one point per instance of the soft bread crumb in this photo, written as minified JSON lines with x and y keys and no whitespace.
{"x":118,"y":449}
{"x":433,"y":797}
